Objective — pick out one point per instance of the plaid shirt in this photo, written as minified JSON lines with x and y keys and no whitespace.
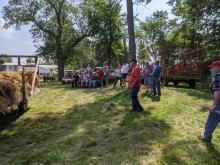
{"x":215,"y":84}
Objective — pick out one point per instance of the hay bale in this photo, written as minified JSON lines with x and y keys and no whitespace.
{"x":11,"y":89}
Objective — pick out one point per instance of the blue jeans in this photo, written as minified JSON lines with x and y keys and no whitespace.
{"x":134,"y":99}
{"x":156,"y":85}
{"x":146,"y":80}
{"x":92,"y":83}
{"x":211,"y":124}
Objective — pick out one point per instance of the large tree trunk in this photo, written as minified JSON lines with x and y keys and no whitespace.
{"x":60,"y":59}
{"x":61,"y":64}
{"x":110,"y":45}
{"x":130,"y":19}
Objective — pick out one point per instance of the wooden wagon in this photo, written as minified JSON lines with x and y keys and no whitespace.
{"x":186,"y":68}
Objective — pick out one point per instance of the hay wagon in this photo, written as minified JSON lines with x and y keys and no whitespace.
{"x":16,"y":81}
{"x":186,"y":68}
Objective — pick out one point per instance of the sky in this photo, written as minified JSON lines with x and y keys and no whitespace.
{"x":16,"y":42}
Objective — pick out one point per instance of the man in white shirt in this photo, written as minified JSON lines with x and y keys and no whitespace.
{"x":124,"y":70}
{"x":118,"y":76}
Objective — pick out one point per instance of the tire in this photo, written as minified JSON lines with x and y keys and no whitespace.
{"x":175,"y":83}
{"x":192,"y":84}
{"x":166,"y":83}
{"x":23,"y":106}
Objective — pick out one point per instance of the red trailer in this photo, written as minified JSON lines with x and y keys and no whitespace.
{"x":186,"y":67}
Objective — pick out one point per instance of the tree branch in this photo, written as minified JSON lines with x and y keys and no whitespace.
{"x":39,"y":25}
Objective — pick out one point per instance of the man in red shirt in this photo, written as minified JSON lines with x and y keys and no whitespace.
{"x":135,"y":84}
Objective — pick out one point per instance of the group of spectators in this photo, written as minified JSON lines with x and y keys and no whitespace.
{"x":91,"y":77}
{"x":150,"y":74}
{"x":99,"y":76}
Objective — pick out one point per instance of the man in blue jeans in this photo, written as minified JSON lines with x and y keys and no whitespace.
{"x":214,"y":115}
{"x":156,"y":77}
{"x":134,"y":84}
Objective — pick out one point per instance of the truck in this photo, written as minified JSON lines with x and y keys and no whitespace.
{"x":186,"y":67}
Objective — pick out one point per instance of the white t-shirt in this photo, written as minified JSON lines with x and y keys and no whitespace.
{"x":118,"y":73}
{"x":125,"y":68}
{"x":85,"y":77}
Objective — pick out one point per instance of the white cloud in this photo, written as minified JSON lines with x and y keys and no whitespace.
{"x":8,"y":33}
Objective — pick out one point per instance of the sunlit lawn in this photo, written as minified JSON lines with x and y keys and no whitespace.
{"x":93,"y":126}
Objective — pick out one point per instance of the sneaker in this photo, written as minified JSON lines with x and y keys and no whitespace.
{"x":201,"y":138}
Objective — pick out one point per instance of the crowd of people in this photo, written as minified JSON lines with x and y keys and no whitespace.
{"x":150,"y":76}
{"x":91,"y":77}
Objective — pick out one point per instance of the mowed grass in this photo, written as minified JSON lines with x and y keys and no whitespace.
{"x":77,"y":126}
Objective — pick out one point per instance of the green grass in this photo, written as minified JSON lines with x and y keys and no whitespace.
{"x":75,"y":126}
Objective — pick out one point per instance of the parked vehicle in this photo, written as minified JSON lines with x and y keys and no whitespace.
{"x":187,"y":68}
{"x":67,"y":79}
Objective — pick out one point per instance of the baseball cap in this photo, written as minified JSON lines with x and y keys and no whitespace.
{"x":215,"y":64}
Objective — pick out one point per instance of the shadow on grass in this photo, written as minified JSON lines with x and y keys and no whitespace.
{"x":180,"y":151}
{"x":198,"y":93}
{"x":88,"y":134}
{"x":212,"y":150}
{"x":6,"y":120}
{"x":204,"y":109}
{"x":55,"y":85}
{"x":152,"y":97}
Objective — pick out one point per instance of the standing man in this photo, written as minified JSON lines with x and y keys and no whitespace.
{"x":156,"y":78}
{"x":134,"y":84}
{"x":214,"y":115}
{"x":124,"y":71}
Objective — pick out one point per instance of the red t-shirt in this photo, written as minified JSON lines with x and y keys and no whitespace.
{"x":100,"y":73}
{"x":135,"y":73}
{"x":177,"y":68}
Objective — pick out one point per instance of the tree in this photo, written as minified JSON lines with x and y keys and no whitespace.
{"x":143,"y":53}
{"x":130,"y":19}
{"x":4,"y":58}
{"x":154,"y":32}
{"x":60,"y":25}
{"x":84,"y":55}
{"x":131,"y":34}
{"x":199,"y":23}
{"x":109,"y":35}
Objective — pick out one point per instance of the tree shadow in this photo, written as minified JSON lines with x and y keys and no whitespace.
{"x":211,"y":148}
{"x":87,"y":134}
{"x":181,"y":151}
{"x":6,"y":120}
{"x":152,"y":97}
{"x":197,"y":93}
{"x":204,"y":109}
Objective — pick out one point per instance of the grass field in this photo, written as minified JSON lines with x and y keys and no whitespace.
{"x":76,"y":126}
